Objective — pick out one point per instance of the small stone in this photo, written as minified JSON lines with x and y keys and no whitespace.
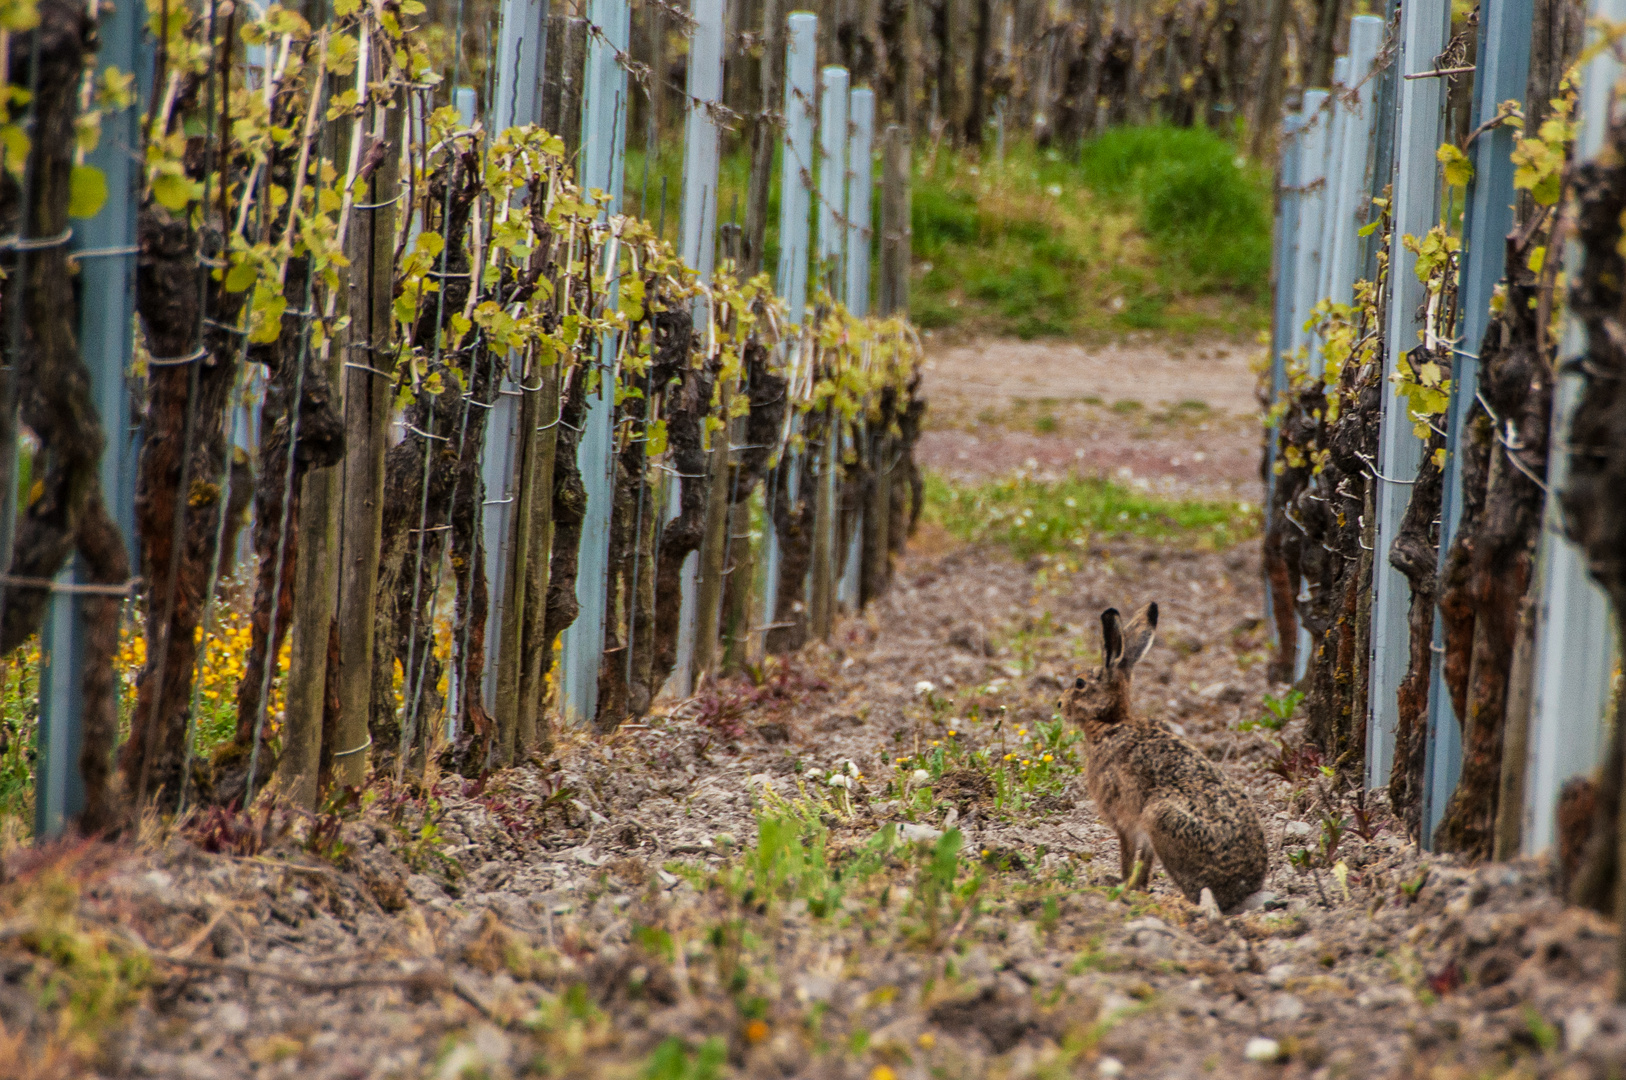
{"x":1210,"y":906}
{"x":1286,"y":1008}
{"x":423,"y":888}
{"x":1579,"y":1026}
{"x":976,"y":963}
{"x":1382,"y":997}
{"x":1297,"y":829}
{"x":1278,"y":975}
{"x":916,"y":833}
{"x":1149,"y":923}
{"x":1114,"y":1004}
{"x":232,"y":1018}
{"x":1259,"y":901}
{"x":815,"y":988}
{"x":1262,"y":1049}
{"x":1109,"y":1066}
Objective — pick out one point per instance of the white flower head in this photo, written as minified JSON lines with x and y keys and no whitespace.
{"x":814,"y":774}
{"x":921,"y":776}
{"x":851,"y":766}
{"x":840,"y":781}
{"x":925,"y":686}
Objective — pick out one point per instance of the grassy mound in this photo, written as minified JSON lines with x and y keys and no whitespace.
{"x":1153,"y":228}
{"x":1035,"y":517}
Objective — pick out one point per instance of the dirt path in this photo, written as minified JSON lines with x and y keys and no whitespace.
{"x":1178,"y":421}
{"x":693,"y":898}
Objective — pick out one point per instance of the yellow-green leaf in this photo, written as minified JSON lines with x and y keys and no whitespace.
{"x":172,"y":192}
{"x":1458,"y":169}
{"x":655,"y":439}
{"x":87,"y":191}
{"x":14,"y":142}
{"x":240,"y":276}
{"x":19,"y":14}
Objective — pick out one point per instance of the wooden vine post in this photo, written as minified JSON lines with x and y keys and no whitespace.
{"x":896,"y":230}
{"x":70,"y":772}
{"x":369,"y":374}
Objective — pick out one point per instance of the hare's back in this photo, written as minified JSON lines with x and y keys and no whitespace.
{"x":1173,"y":767}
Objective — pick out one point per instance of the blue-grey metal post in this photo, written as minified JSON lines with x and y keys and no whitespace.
{"x":1503,"y":70}
{"x":796,"y":168}
{"x":860,"y":226}
{"x":860,"y":189}
{"x":834,"y":231}
{"x":697,"y":245}
{"x":1332,"y":191}
{"x":603,"y":151}
{"x":522,"y":42}
{"x":1383,"y":148}
{"x":106,"y":245}
{"x":1425,"y":29}
{"x":1575,"y":646}
{"x":1283,"y":257}
{"x":1313,"y":155}
{"x":1312,"y":208}
{"x":702,"y":138}
{"x":795,"y":202}
{"x":832,"y":177}
{"x":1355,"y":160}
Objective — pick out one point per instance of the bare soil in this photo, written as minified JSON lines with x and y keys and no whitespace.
{"x":575,"y":916}
{"x":1180,"y":421}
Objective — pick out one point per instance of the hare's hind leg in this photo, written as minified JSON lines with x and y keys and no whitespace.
{"x":1139,"y":876}
{"x":1181,"y":842}
{"x":1125,"y":857}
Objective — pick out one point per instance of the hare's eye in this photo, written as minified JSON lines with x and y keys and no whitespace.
{"x":1078,"y":683}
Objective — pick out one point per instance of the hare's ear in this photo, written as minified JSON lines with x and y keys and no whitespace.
{"x":1112,"y":638}
{"x":1137,"y":636}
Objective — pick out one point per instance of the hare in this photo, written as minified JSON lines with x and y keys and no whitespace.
{"x":1161,"y":794}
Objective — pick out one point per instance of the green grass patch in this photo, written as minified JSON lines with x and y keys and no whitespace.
{"x":1150,"y":228}
{"x":1034,"y":517}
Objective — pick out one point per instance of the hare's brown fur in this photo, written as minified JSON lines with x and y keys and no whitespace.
{"x":1158,"y":791}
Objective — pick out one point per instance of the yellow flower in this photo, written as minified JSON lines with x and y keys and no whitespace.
{"x":1010,"y":757}
{"x":1026,"y":763}
{"x":1047,"y":757}
{"x":881,"y":1072}
{"x":756,"y":1031}
{"x":952,"y":733}
{"x":927,"y":1040}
